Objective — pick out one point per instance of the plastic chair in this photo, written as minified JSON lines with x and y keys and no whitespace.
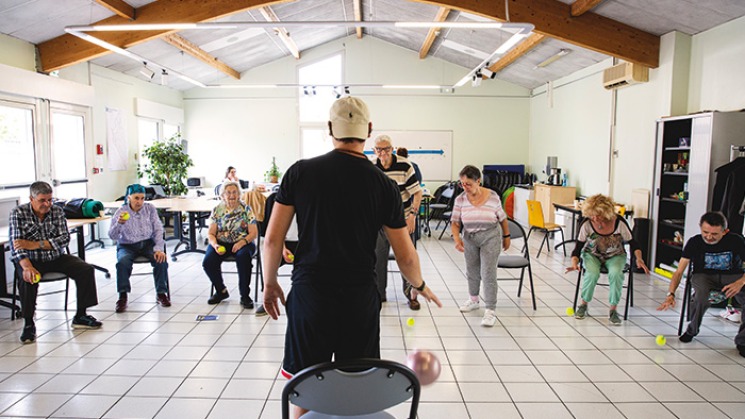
{"x":603,"y":270}
{"x":361,"y":388}
{"x":145,"y":259}
{"x":685,"y":310}
{"x":47,"y":277}
{"x":447,"y":214}
{"x":537,"y":222}
{"x":441,"y":203}
{"x":521,"y":262}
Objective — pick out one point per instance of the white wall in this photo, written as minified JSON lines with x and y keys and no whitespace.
{"x":245,"y":128}
{"x":718,"y":68}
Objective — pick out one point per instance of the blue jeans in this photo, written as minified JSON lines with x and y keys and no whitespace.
{"x":125,"y":256}
{"x":213,"y":260}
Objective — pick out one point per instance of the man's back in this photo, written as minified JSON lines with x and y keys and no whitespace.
{"x":341,"y":201}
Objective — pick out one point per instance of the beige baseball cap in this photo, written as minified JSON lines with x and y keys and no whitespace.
{"x":349,"y":118}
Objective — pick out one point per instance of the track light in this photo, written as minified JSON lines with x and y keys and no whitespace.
{"x":146,"y":72}
{"x":476,"y":80}
{"x":163,"y":77}
{"x":488,"y":73}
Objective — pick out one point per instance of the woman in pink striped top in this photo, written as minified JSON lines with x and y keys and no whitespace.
{"x":480,"y":231}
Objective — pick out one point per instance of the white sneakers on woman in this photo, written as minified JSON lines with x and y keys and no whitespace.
{"x":469,"y":305}
{"x":490,"y":318}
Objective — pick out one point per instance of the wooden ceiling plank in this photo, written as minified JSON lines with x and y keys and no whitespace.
{"x":283,"y":34}
{"x":66,"y":50}
{"x":553,"y":18}
{"x":529,"y":43}
{"x":190,"y":48}
{"x":442,"y":14}
{"x":579,"y":7}
{"x":358,"y":16}
{"x":119,"y":7}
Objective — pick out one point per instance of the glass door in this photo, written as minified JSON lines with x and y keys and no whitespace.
{"x":68,"y":157}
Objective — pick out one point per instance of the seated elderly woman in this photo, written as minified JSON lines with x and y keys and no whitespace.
{"x":601,"y":240}
{"x":137,"y":230}
{"x":231,"y":233}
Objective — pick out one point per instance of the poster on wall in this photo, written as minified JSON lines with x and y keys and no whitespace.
{"x":431,"y":150}
{"x":116,"y":139}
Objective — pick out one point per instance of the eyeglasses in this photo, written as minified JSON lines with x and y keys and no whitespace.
{"x":468,"y":184}
{"x":383,"y":149}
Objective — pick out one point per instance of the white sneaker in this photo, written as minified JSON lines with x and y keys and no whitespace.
{"x":490,"y":318}
{"x":469,"y":305}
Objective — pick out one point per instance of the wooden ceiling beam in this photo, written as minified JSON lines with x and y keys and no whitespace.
{"x":66,"y":50}
{"x":283,"y":34}
{"x":358,"y":16}
{"x":553,"y":18}
{"x":442,"y":14}
{"x":517,"y":52}
{"x":579,"y":7}
{"x":119,"y":7}
{"x":190,"y":48}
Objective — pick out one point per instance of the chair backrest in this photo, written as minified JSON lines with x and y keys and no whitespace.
{"x":518,"y":232}
{"x":535,"y":214}
{"x":218,"y":189}
{"x":353,"y":387}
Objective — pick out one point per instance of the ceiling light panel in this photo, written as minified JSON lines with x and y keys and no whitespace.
{"x":232,"y":39}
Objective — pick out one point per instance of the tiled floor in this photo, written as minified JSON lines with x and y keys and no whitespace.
{"x":159,"y":362}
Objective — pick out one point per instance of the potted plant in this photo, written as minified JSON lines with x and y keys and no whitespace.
{"x":272,"y":175}
{"x":167,"y":165}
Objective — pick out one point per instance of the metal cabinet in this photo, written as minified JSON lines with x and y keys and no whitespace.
{"x":688,"y":151}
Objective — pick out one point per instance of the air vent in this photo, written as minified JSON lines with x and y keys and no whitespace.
{"x":624,"y":74}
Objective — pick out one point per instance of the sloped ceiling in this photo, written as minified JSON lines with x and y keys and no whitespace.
{"x":245,"y":48}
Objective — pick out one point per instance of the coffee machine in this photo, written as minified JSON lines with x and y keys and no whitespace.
{"x":553,"y":172}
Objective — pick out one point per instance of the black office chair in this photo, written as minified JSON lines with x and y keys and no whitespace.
{"x":47,"y":277}
{"x":440,"y":203}
{"x":603,"y":270}
{"x":521,"y":261}
{"x":144,"y":259}
{"x":448,"y":212}
{"x":361,"y":388}
{"x":685,"y":310}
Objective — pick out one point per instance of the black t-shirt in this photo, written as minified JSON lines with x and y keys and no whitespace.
{"x":341,"y":202}
{"x":725,"y":257}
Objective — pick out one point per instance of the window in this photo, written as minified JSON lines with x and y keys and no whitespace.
{"x":17,"y":156}
{"x":320,"y":82}
{"x":150,"y":131}
{"x":68,"y":154}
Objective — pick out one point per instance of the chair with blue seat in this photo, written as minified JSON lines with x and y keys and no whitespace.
{"x":361,"y":388}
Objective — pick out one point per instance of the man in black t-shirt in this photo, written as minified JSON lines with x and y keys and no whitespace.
{"x":717,"y":259}
{"x":341,"y":202}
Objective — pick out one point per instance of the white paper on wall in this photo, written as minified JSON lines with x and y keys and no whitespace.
{"x":116,"y":139}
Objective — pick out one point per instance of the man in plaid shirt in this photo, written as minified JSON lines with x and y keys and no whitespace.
{"x":38,"y":231}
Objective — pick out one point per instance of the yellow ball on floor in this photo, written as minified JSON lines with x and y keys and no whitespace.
{"x":570,"y":311}
{"x":410,"y":322}
{"x":661,"y":340}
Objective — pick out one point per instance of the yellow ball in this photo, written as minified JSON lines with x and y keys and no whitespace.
{"x":570,"y":311}
{"x":125,"y":216}
{"x":37,"y":278}
{"x":661,"y":340}
{"x":221,"y":249}
{"x":291,"y":257}
{"x":410,"y":322}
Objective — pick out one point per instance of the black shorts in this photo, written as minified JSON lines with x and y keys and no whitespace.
{"x":325,"y":321}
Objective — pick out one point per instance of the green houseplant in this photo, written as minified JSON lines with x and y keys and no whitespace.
{"x":167,"y":165}
{"x":272,"y":175}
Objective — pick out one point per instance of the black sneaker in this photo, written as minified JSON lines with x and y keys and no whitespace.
{"x":247,"y":303}
{"x":740,"y":348}
{"x":29,"y":334}
{"x":686,"y":337}
{"x":260,"y":311}
{"x":218,"y":296}
{"x":85,"y":322}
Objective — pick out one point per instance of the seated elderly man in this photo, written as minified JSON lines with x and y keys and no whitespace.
{"x":38,"y":231}
{"x":138,"y":232}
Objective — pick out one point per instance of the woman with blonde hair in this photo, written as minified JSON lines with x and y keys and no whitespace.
{"x":601,"y":239}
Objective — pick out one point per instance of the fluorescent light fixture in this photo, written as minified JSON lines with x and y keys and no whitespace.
{"x":511,"y":42}
{"x":411,"y":86}
{"x":562,"y":52}
{"x":456,"y":46}
{"x":242,"y":86}
{"x":450,"y":25}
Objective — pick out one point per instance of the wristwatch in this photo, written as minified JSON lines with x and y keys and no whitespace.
{"x":41,"y":244}
{"x":421,"y":287}
{"x":670,"y":294}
